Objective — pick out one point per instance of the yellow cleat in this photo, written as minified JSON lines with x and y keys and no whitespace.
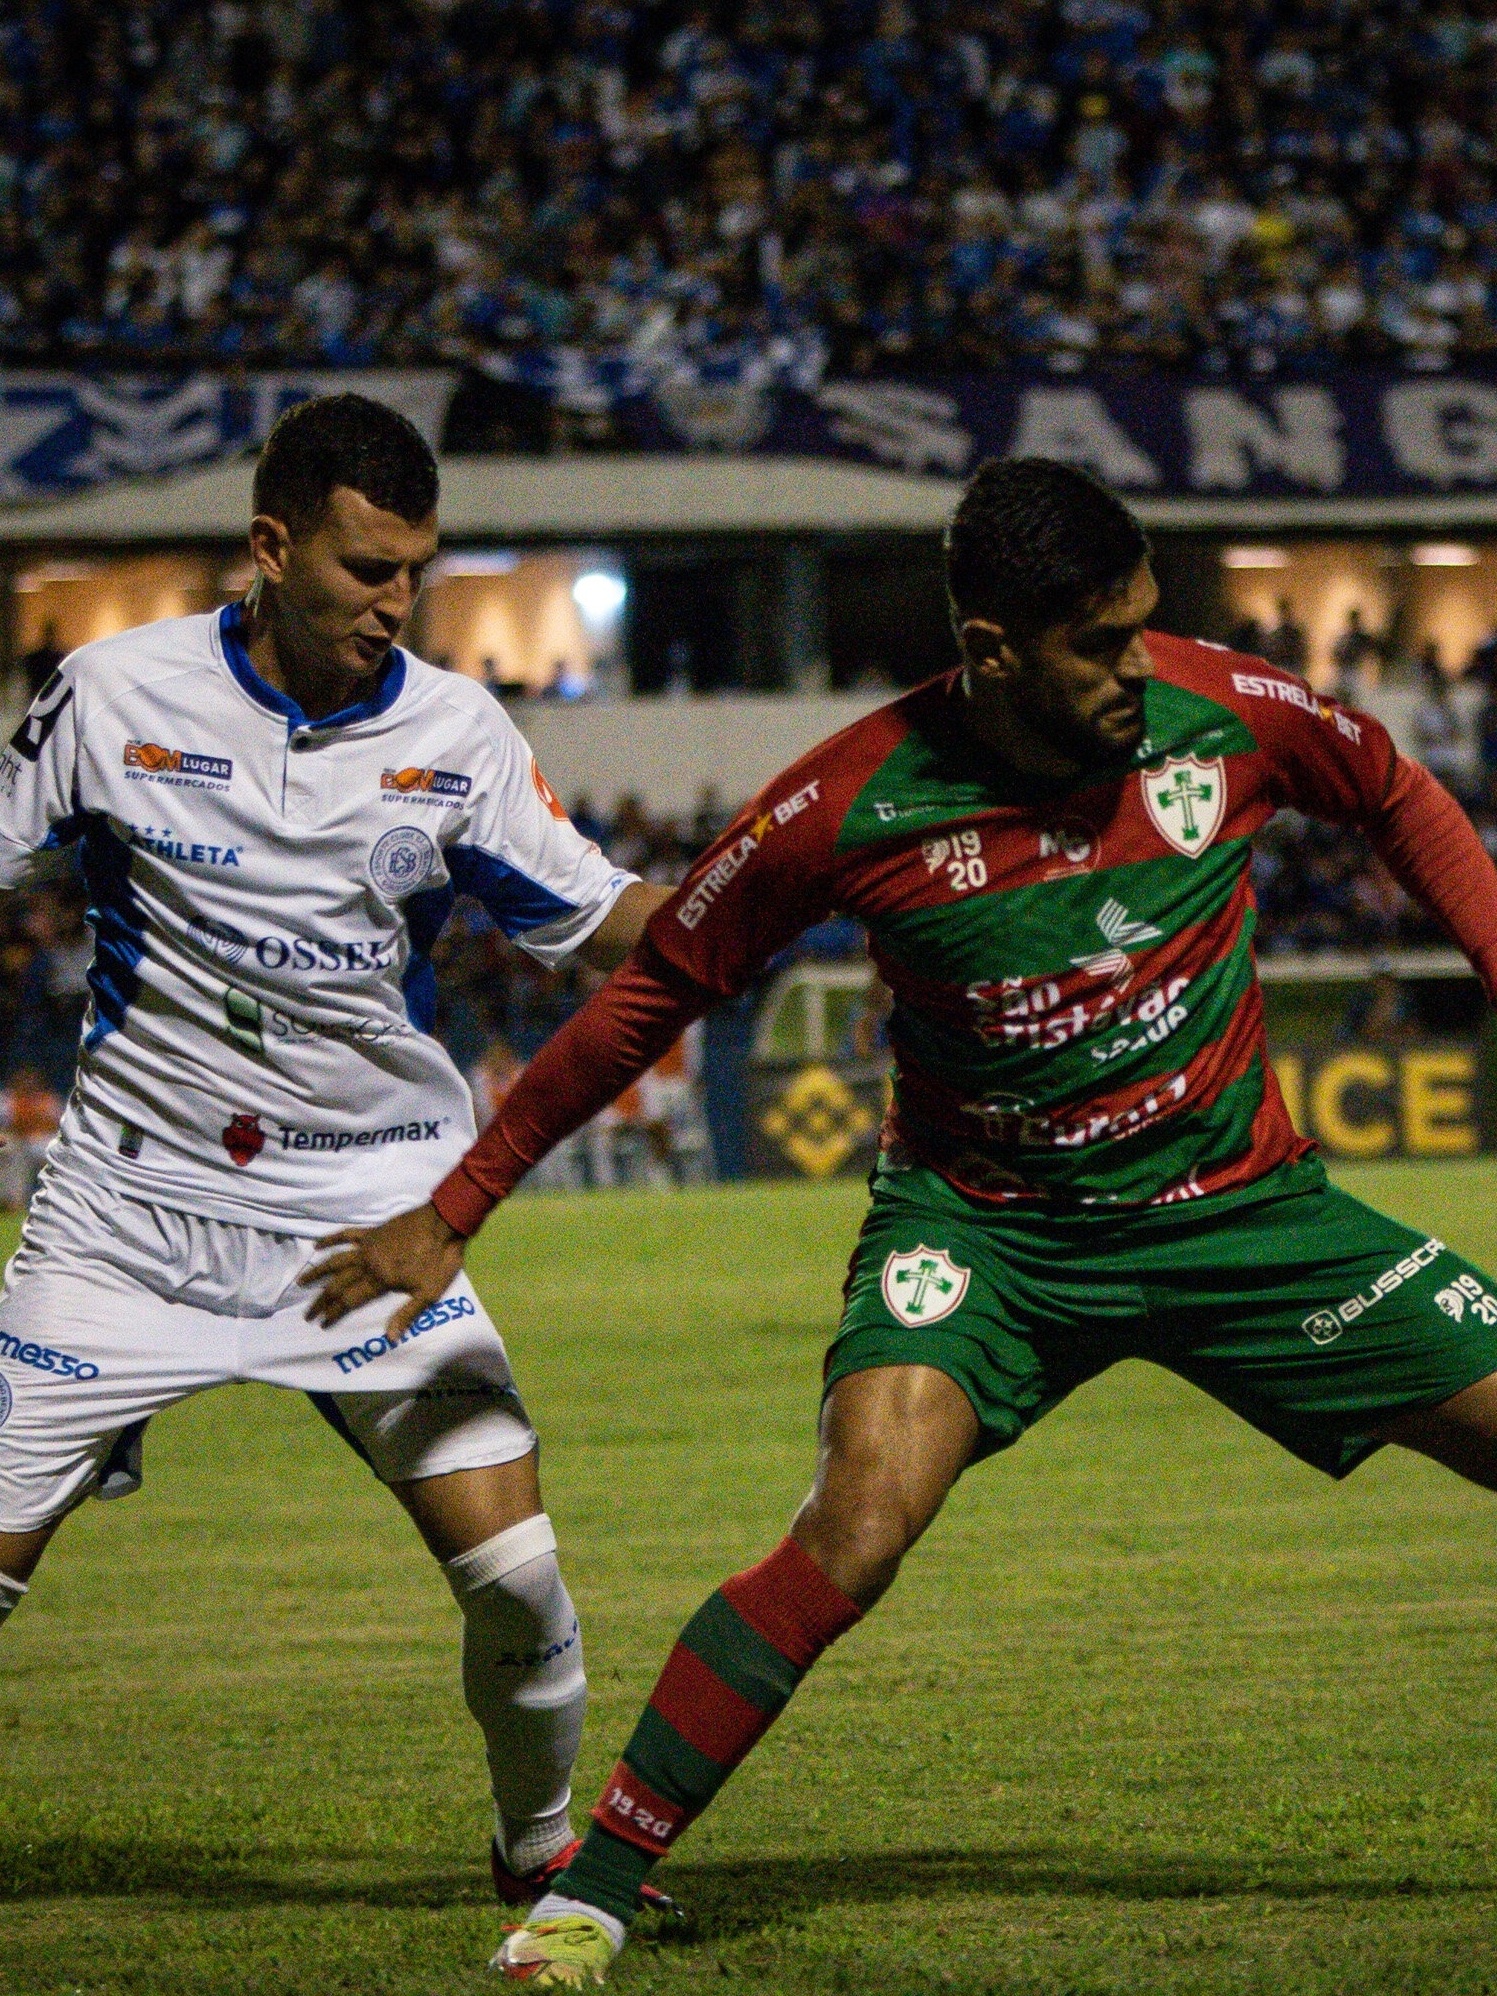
{"x":563,"y":1953}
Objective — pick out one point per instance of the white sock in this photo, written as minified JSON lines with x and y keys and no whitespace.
{"x":556,"y":1905}
{"x":10,"y":1594}
{"x":524,"y":1683}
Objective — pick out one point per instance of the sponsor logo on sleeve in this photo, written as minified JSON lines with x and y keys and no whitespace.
{"x":723,"y":869}
{"x":443,"y":787}
{"x":1187,"y":801}
{"x":1294,"y":693}
{"x":730,"y":863}
{"x":187,"y":769}
{"x":546,"y":794}
{"x":401,"y":860}
{"x":45,"y":712}
{"x":1322,"y":1327}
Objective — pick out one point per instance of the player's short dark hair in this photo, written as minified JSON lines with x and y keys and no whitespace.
{"x":1034,"y":541}
{"x":344,"y":440}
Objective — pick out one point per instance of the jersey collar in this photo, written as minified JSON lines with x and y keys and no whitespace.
{"x":386,"y":692}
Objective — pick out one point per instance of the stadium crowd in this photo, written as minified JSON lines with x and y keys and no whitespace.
{"x":870,"y":185}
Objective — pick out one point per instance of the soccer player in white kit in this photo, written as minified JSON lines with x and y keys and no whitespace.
{"x":276,"y":807}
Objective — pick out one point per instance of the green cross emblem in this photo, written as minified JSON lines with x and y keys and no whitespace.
{"x":925,"y":1275}
{"x":1187,"y":793}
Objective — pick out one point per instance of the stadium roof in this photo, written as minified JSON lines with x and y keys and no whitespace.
{"x":552,"y":498}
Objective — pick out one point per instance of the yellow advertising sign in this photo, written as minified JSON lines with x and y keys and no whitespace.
{"x":1367,"y":1102}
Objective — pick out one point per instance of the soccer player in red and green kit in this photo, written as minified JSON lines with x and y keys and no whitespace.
{"x":1087,"y":1157}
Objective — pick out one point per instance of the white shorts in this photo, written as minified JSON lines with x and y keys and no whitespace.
{"x":114,"y":1308}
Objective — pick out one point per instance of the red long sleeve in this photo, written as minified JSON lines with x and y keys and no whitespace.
{"x":640,"y":1012}
{"x":1427,"y":843}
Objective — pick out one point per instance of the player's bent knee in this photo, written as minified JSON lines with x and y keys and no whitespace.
{"x":859,"y":1541}
{"x":523,"y":1676}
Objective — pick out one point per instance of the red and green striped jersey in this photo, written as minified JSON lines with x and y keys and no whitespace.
{"x":1076,"y":1014}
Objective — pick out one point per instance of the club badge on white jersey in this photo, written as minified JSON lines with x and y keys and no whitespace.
{"x":265,"y":892}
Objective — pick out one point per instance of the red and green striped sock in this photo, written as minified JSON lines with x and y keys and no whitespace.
{"x":727,"y":1680}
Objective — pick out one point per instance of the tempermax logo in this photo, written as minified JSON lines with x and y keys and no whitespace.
{"x":149,"y":762}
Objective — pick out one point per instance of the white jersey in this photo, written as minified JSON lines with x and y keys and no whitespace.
{"x":265,"y":893}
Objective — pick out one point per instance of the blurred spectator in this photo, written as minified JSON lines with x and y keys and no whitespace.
{"x":29,"y":1114}
{"x":670,"y":1112}
{"x":1287,"y":645}
{"x":1482,"y":667}
{"x":910,"y":185}
{"x":1439,"y":737}
{"x":1382,"y":1010}
{"x":1353,"y":653}
{"x":38,"y":665}
{"x":54,"y":990}
{"x":491,"y":1078}
{"x":1249,"y":636}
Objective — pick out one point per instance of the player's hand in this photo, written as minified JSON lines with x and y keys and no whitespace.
{"x":416,"y":1251}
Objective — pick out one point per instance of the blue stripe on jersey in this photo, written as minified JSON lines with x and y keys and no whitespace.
{"x":117,"y":920}
{"x":387,"y":690}
{"x":515,"y":901}
{"x":425,"y":917}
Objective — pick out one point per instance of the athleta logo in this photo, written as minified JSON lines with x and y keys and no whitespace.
{"x":165,"y":844}
{"x":149,"y":760}
{"x":440,"y":782}
{"x":1123,"y":933}
{"x":243,"y":1139}
{"x":1187,"y":800}
{"x":923,"y":1286}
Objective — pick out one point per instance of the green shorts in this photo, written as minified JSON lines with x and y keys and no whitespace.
{"x":1304,"y":1311}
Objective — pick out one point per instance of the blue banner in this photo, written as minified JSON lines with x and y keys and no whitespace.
{"x":1352,"y":434}
{"x":62,"y":433}
{"x":1359,"y":435}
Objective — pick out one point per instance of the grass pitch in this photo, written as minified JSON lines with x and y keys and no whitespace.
{"x":1153,"y":1708}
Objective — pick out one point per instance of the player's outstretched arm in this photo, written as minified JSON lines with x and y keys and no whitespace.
{"x":623,"y":925}
{"x":1429,"y":845}
{"x":624,"y":1029}
{"x":768,"y":877}
{"x":416,"y":1251}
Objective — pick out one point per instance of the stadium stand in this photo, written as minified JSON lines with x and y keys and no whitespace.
{"x":877,"y":185}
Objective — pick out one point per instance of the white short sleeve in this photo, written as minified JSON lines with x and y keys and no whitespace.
{"x":38,"y":776}
{"x":545,"y":885}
